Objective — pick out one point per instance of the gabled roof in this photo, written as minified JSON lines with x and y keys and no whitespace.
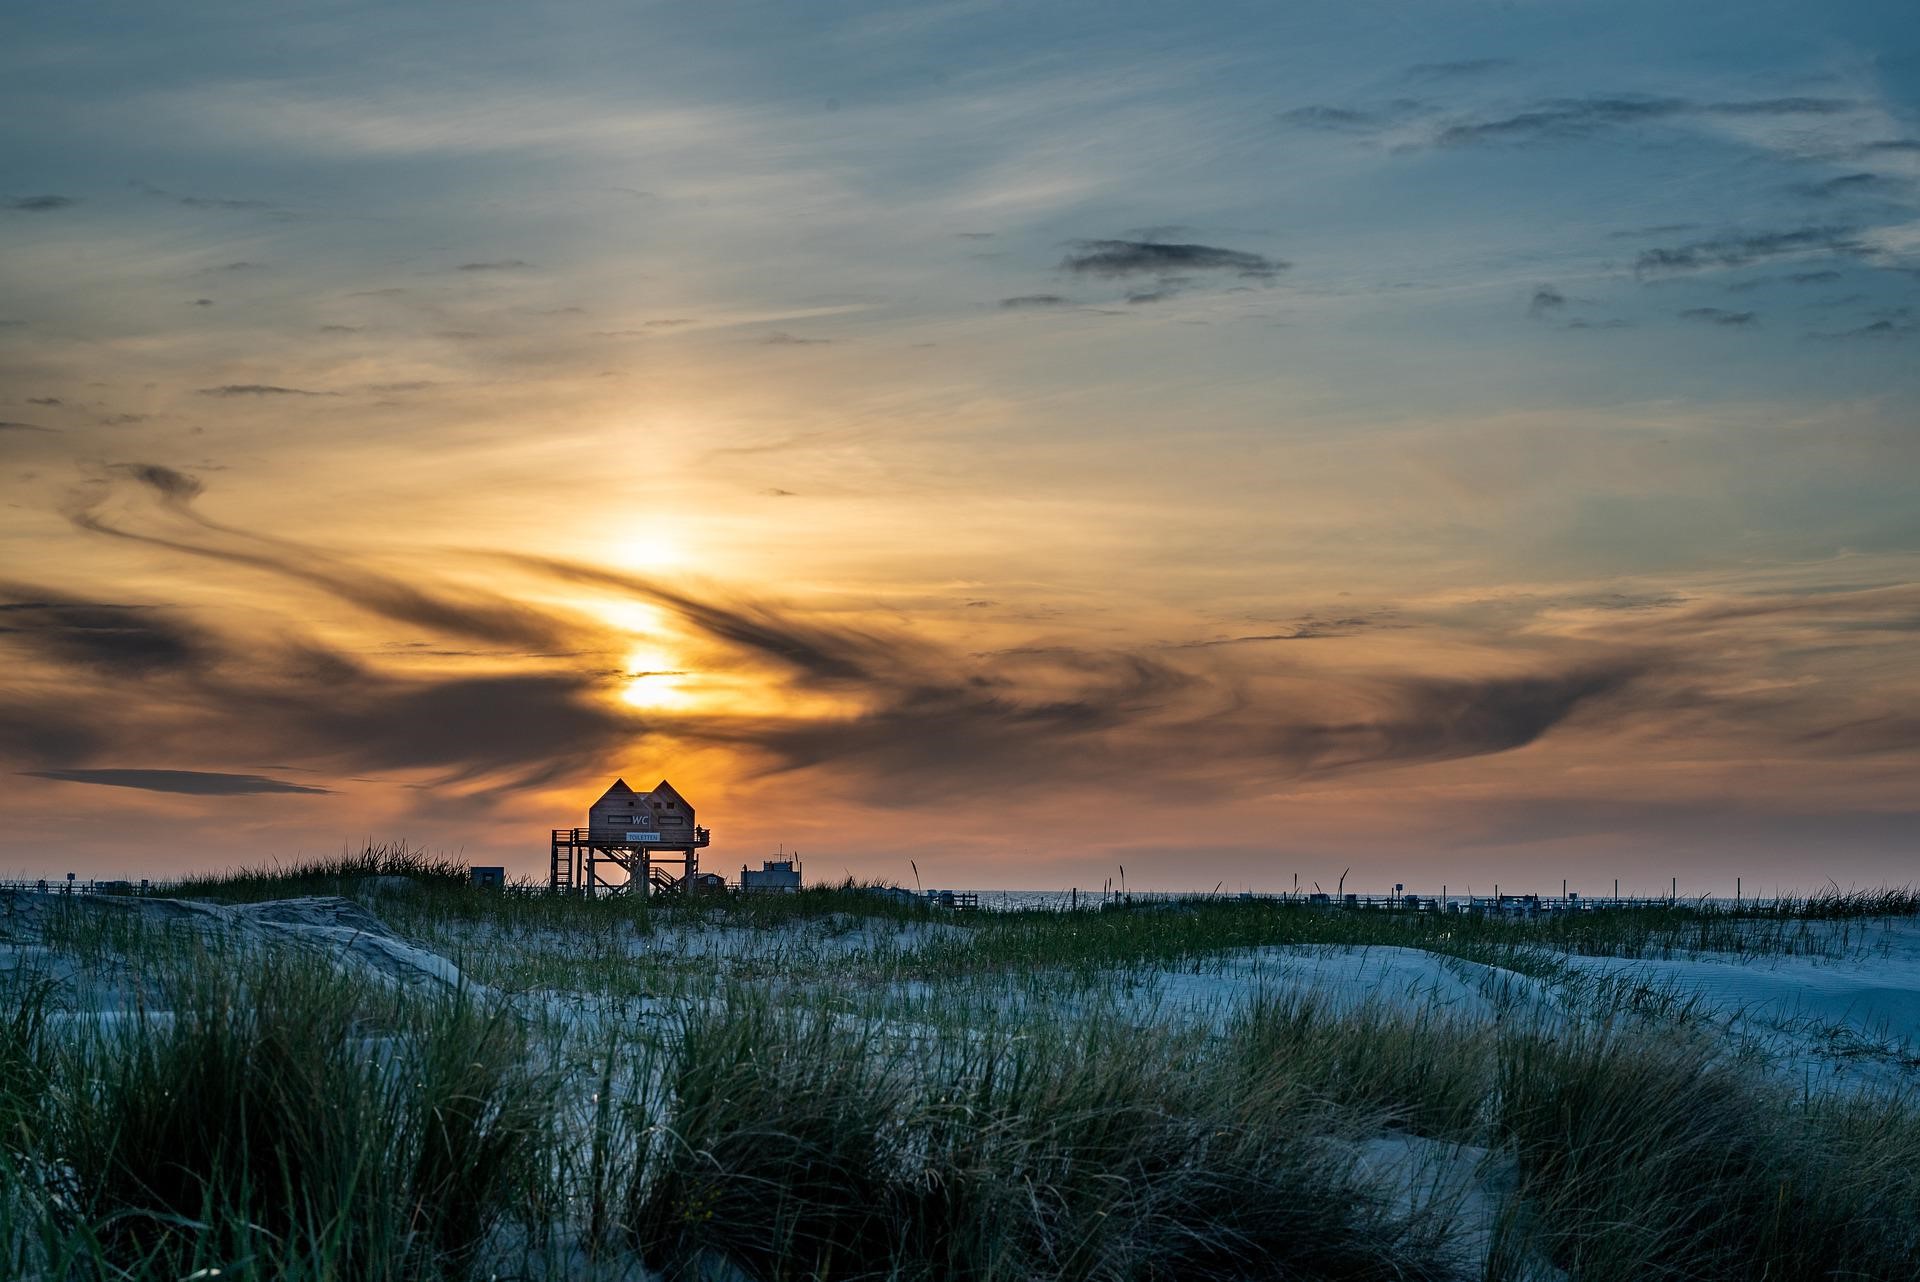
{"x":621,"y":795}
{"x":619,"y":789}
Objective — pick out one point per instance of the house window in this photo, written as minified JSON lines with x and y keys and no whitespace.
{"x":670,"y":805}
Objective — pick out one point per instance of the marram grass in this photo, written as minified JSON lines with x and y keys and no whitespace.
{"x":877,"y":1092}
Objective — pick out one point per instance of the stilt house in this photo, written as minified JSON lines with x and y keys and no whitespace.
{"x":633,"y":843}
{"x":660,"y":817}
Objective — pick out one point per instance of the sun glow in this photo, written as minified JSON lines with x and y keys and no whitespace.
{"x":650,"y":552}
{"x":652,"y":681}
{"x":633,"y":616}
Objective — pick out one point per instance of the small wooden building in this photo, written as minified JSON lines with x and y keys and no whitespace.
{"x":650,"y":837}
{"x":661,"y":817}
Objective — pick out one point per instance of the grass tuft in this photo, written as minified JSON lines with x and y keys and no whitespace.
{"x":343,"y":874}
{"x":294,"y":1115}
{"x":797,"y":1144}
{"x":1650,"y":1158}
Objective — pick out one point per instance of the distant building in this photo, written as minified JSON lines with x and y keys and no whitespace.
{"x":778,"y":875}
{"x":488,"y":878}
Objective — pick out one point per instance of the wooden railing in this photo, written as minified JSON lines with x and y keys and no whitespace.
{"x":615,"y":837}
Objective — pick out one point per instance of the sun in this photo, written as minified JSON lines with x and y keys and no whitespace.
{"x":654,"y":683}
{"x":651,"y":552}
{"x":638,"y":617}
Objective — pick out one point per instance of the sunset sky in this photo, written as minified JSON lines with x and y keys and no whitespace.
{"x":1459,"y":441}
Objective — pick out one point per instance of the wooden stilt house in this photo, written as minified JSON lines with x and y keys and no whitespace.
{"x":633,"y":843}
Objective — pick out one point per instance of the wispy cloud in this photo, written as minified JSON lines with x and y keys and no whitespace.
{"x":1409,"y":123}
{"x":196,"y":783}
{"x":1118,"y":258}
{"x":1751,"y":247}
{"x":897,"y":714}
{"x":1321,"y":116}
{"x":129,"y":639}
{"x":951,"y":722}
{"x":1855,"y":184}
{"x":1309,"y":629}
{"x":1884,"y":328}
{"x":260,"y":389}
{"x":1577,"y":117}
{"x":40,"y":204}
{"x":1718,"y":316}
{"x":1546,"y":301}
{"x":228,"y":204}
{"x":1462,"y":68}
{"x":477,"y":616}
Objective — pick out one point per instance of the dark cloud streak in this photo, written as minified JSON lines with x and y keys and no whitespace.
{"x":1579,"y":117}
{"x":1718,"y":316}
{"x":40,"y":204}
{"x":1740,"y":250}
{"x":474,"y":616}
{"x":127,"y":639}
{"x":223,"y":203}
{"x":1119,"y":258}
{"x":259,"y":389}
{"x":196,"y":783}
{"x":909,"y":719}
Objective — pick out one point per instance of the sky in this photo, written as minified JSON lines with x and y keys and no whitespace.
{"x":1458,"y":442}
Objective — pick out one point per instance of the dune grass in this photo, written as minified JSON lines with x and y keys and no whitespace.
{"x":1658,"y":1157}
{"x":342,"y":874}
{"x":1181,"y":933}
{"x":852,"y":1088}
{"x":799,"y":1146}
{"x":279,"y":1120}
{"x":26,"y":1057}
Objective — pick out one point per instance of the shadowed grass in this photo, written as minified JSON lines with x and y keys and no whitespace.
{"x":26,"y":999}
{"x":343,"y":874}
{"x":291,"y":1115}
{"x":797,"y":1145}
{"x":1655,"y":1158}
{"x":1419,"y":1072}
{"x":1180,"y":933}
